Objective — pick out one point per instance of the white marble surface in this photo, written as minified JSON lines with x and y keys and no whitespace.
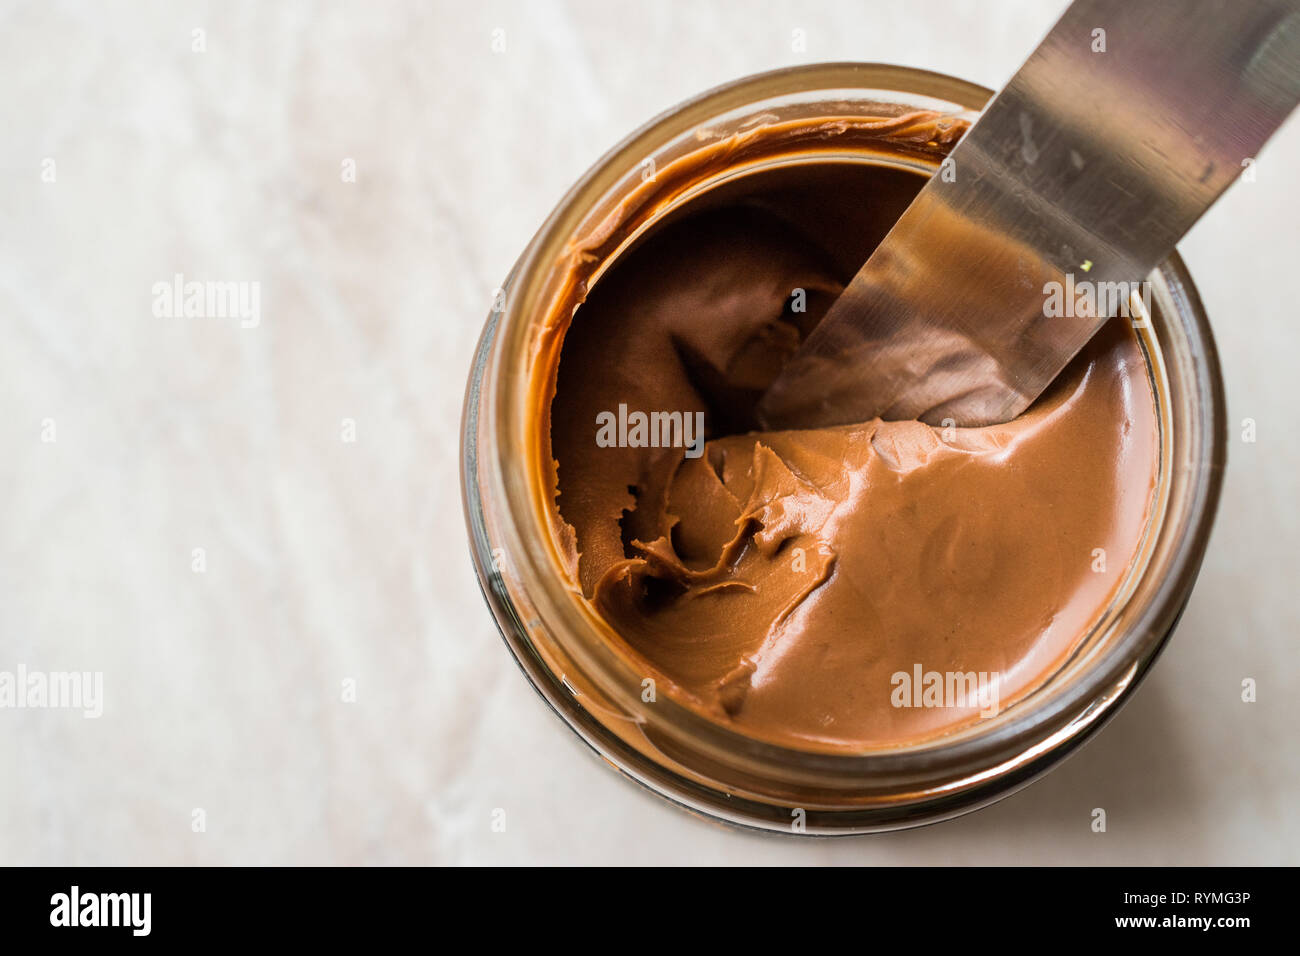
{"x":329,"y":561}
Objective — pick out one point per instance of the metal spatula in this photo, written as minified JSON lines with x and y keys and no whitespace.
{"x":1118,"y":133}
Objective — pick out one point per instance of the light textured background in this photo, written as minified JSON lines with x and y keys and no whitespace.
{"x":329,"y":561}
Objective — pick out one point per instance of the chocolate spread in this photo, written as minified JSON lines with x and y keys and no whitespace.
{"x":779,"y":582}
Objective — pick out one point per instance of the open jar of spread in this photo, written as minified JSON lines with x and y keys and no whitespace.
{"x":829,"y":630}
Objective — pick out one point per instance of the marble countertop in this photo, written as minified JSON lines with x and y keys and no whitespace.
{"x":187,"y":516}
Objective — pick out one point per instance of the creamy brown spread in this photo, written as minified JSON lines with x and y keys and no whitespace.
{"x":778,"y":582}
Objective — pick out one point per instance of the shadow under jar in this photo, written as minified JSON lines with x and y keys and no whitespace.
{"x":822,"y":146}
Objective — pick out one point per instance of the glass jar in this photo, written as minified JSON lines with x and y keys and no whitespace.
{"x":566,"y":649}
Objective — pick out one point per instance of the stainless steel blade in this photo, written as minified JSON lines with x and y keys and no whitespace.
{"x":1117,"y":134}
